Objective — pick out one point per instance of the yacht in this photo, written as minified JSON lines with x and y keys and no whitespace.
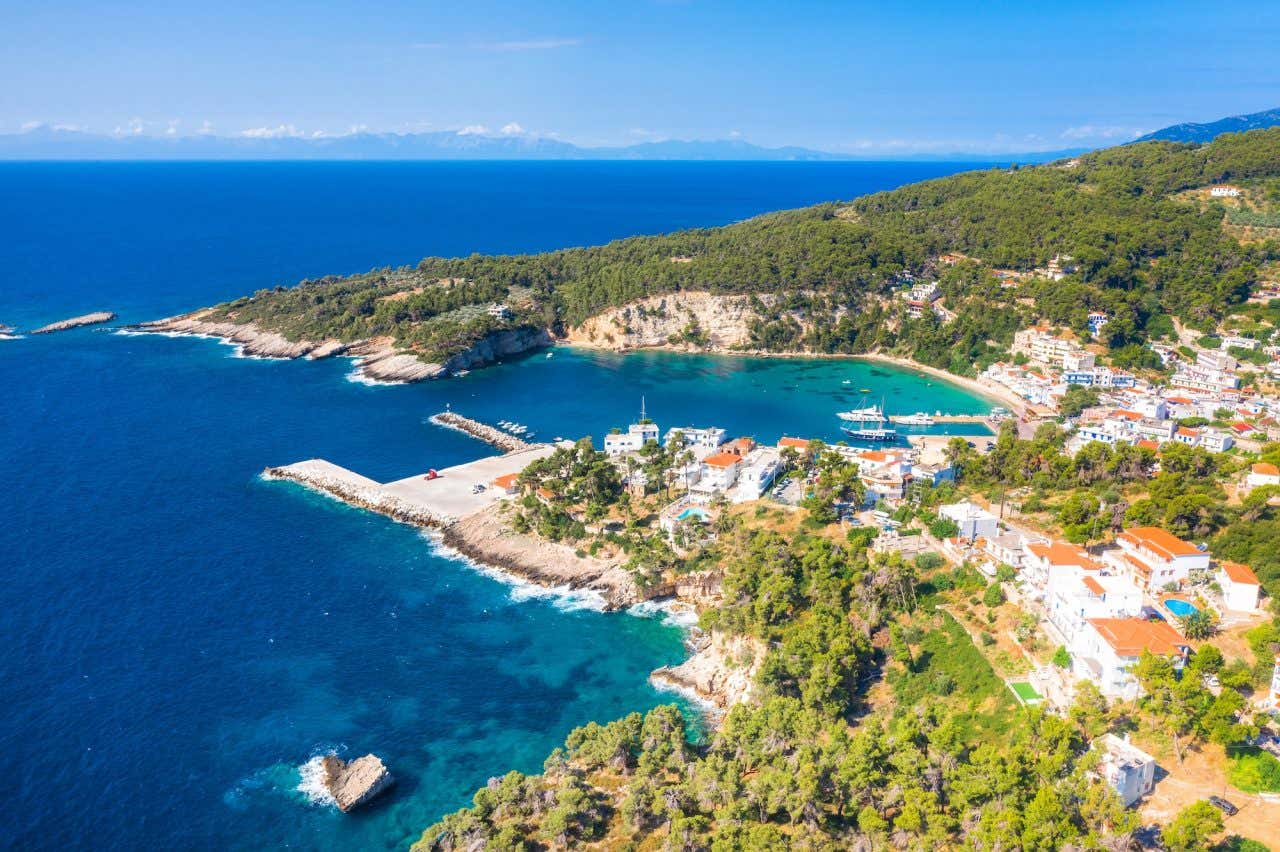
{"x":872,"y":413}
{"x":920,"y":418}
{"x":861,"y":433}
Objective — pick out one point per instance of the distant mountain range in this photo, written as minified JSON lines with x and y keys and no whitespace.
{"x":50,"y":143}
{"x":1206,"y":132}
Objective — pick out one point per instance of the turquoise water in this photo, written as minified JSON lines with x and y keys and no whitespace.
{"x":179,"y":636}
{"x":692,"y":512}
{"x":1180,"y":608}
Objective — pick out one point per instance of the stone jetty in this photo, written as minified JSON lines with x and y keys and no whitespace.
{"x":76,"y":322}
{"x":357,"y":782}
{"x":483,"y":431}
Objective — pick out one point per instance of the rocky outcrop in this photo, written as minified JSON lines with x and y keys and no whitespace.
{"x":722,"y":670}
{"x":488,"y":539}
{"x":76,"y":322}
{"x":720,"y":322}
{"x":498,"y":345}
{"x":376,"y":358}
{"x":357,"y":782}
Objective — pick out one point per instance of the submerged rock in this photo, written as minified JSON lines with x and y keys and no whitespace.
{"x":357,"y":782}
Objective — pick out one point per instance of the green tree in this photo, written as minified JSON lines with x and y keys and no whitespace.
{"x":1192,"y":828}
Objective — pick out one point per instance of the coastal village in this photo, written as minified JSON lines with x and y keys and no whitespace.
{"x":1091,"y":558}
{"x":1086,"y":616}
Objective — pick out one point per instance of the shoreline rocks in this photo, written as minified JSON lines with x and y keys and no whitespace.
{"x":356,"y":782}
{"x":74,"y":322}
{"x":721,"y":672}
{"x":377,"y":359}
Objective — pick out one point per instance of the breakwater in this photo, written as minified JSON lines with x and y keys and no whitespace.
{"x":482,"y":431}
{"x":76,"y":322}
{"x":360,"y":491}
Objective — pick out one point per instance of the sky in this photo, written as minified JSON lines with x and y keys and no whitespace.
{"x":845,"y":77}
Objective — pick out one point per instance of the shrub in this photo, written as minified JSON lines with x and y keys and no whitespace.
{"x":1062,"y":657}
{"x":993,"y":596}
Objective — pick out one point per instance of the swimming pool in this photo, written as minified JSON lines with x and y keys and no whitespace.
{"x":692,"y":512}
{"x":1180,"y":608}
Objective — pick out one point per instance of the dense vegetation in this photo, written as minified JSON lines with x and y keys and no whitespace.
{"x":1142,"y":256}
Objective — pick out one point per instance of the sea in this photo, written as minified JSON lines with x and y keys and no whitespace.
{"x":180,"y":639}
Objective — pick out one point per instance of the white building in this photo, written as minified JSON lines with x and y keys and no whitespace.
{"x":1043,"y":347}
{"x":758,"y":470}
{"x":1042,"y":560}
{"x":1072,"y":598}
{"x":696,"y":439}
{"x":974,"y":521}
{"x":1224,"y":191}
{"x":1152,"y":557}
{"x":719,"y":472}
{"x":1129,"y":770}
{"x":1242,"y":342}
{"x":1239,"y":585}
{"x":630,"y":441}
{"x":1106,"y":650}
{"x":1263,"y":473}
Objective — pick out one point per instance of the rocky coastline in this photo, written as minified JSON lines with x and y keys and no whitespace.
{"x":486,"y":538}
{"x":376,"y":359}
{"x":721,"y":672}
{"x":75,"y":322}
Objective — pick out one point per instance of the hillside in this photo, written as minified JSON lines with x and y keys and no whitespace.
{"x":1142,"y":256}
{"x":1209,"y":130}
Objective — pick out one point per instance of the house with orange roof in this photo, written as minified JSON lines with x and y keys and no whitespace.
{"x":1263,"y":473}
{"x":507,"y":483}
{"x":1153,"y":558}
{"x":1240,"y":586}
{"x":1074,"y":595}
{"x":801,"y":444}
{"x":1042,"y":560}
{"x":1106,"y":650}
{"x":719,"y":471}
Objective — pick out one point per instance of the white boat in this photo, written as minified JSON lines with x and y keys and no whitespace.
{"x":549,"y":354}
{"x":917,"y":419}
{"x":872,"y":413}
{"x":846,"y":382}
{"x":461,"y":373}
{"x":861,"y":434}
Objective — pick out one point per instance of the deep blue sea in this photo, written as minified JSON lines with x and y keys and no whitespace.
{"x":177,"y":637}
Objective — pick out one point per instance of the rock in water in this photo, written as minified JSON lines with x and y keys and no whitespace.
{"x":356,"y":783}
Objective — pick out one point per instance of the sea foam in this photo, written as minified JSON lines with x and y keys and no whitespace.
{"x":311,"y":781}
{"x":564,"y":598}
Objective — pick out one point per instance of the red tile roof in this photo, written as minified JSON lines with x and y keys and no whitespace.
{"x":1159,"y":541}
{"x":798,"y":443}
{"x":722,"y":460}
{"x":507,"y":480}
{"x":1129,"y":637}
{"x":1266,"y":469}
{"x":1238,"y":573}
{"x":1094,"y":586}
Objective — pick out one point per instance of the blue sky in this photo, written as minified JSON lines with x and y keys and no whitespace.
{"x":875,"y":77}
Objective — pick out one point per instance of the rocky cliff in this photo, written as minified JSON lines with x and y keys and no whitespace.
{"x":721,"y":671}
{"x":694,"y":319}
{"x":76,"y":322}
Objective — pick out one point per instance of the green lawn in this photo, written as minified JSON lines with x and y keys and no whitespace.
{"x":1026,"y":692}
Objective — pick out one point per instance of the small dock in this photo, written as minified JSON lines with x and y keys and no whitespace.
{"x":945,"y":418}
{"x":436,"y":503}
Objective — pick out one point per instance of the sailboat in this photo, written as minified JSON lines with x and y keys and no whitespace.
{"x":873,"y":413}
{"x":862,"y":416}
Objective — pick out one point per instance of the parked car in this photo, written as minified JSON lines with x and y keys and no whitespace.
{"x":1223,"y":805}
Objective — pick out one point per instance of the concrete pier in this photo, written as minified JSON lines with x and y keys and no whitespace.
{"x":436,"y":503}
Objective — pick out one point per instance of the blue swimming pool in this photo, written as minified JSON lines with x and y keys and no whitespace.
{"x":692,"y":512}
{"x":1180,"y":608}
